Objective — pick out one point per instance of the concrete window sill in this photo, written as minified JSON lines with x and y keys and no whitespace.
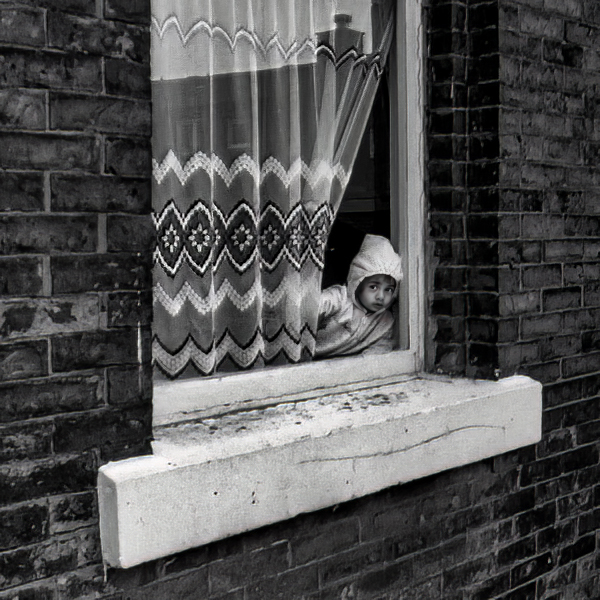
{"x":230,"y":474}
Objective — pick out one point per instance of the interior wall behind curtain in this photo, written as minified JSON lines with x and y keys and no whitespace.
{"x":258,"y":111}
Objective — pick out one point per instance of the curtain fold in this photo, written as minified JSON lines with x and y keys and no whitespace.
{"x":259,"y":107}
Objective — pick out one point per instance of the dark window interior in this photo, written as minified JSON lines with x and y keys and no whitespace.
{"x":365,"y":207}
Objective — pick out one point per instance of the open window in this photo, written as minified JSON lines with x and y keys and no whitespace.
{"x":237,"y":451}
{"x":263,"y":190}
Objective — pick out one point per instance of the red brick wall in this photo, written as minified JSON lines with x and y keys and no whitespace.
{"x":74,"y":278}
{"x":512,"y":140}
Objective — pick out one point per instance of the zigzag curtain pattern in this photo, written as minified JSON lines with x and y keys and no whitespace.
{"x":258,"y":111}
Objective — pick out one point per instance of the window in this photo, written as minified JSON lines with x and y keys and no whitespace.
{"x":189,"y":232}
{"x":319,"y":433}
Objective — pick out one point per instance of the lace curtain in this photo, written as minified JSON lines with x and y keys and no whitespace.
{"x":258,"y":111}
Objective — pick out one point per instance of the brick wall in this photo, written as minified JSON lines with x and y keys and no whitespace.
{"x":512,"y":138}
{"x":74,"y":278}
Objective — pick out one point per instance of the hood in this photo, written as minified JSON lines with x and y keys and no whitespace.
{"x":376,"y":256}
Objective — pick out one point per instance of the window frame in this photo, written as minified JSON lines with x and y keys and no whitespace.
{"x":189,"y":399}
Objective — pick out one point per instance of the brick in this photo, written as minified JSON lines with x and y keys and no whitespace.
{"x":129,"y":309}
{"x":127,"y":386}
{"x":95,"y":36}
{"x":561,"y":53}
{"x":534,"y":327}
{"x":22,"y":360}
{"x":24,"y":68}
{"x":94,"y":349}
{"x":389,"y":577}
{"x":128,"y":157}
{"x":19,"y":401}
{"x":539,"y":24}
{"x":573,"y":504}
{"x":588,"y":432}
{"x":588,"y":522}
{"x":537,"y":277}
{"x":20,"y":276}
{"x":130,"y":234}
{"x":445,"y":225}
{"x":562,"y":393}
{"x":580,"y":412}
{"x":242,"y":571}
{"x":72,"y":512}
{"x":482,"y":330}
{"x":290,"y":584}
{"x":580,"y":458}
{"x":45,"y":234}
{"x":515,"y":503}
{"x":551,"y":420}
{"x":84,"y":193}
{"x":541,"y":470}
{"x":21,"y":191}
{"x":97,"y":113}
{"x":28,"y":318}
{"x":25,"y":441}
{"x":490,"y":588}
{"x":579,"y":320}
{"x":563,"y":250}
{"x":128,"y":10}
{"x":127,"y":579}
{"x":42,"y":151}
{"x":468,"y":574}
{"x":22,"y":26}
{"x":100,"y":272}
{"x":515,"y":304}
{"x":115,"y":433}
{"x":542,"y":226}
{"x":561,"y":298}
{"x":550,"y":538}
{"x":194,"y":584}
{"x":582,"y":226}
{"x":527,"y":592}
{"x":531,"y":569}
{"x":581,"y":365}
{"x":23,"y":525}
{"x":21,"y":109}
{"x":37,"y":562}
{"x":37,"y":591}
{"x":582,"y":33}
{"x":558,"y":579}
{"x":533,"y":520}
{"x":124,"y":78}
{"x":547,"y":372}
{"x":555,"y":442}
{"x":68,"y":6}
{"x":514,"y":356}
{"x":485,"y":304}
{"x":584,"y":546}
{"x":352,"y":561}
{"x":27,"y":480}
{"x":518,"y":551}
{"x":83,"y":583}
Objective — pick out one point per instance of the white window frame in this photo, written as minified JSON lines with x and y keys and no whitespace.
{"x":177,"y":401}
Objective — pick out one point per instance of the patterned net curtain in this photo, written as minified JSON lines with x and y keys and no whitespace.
{"x":258,"y":111}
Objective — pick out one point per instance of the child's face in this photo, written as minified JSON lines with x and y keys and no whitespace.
{"x":376,"y":292}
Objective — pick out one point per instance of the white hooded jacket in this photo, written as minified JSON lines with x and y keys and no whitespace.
{"x":345,"y":327}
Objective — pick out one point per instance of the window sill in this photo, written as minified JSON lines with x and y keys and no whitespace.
{"x":230,"y":474}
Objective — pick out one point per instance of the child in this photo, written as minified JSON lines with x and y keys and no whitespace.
{"x":355,"y":318}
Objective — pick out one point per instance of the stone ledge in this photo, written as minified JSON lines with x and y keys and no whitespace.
{"x":223,"y":476}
